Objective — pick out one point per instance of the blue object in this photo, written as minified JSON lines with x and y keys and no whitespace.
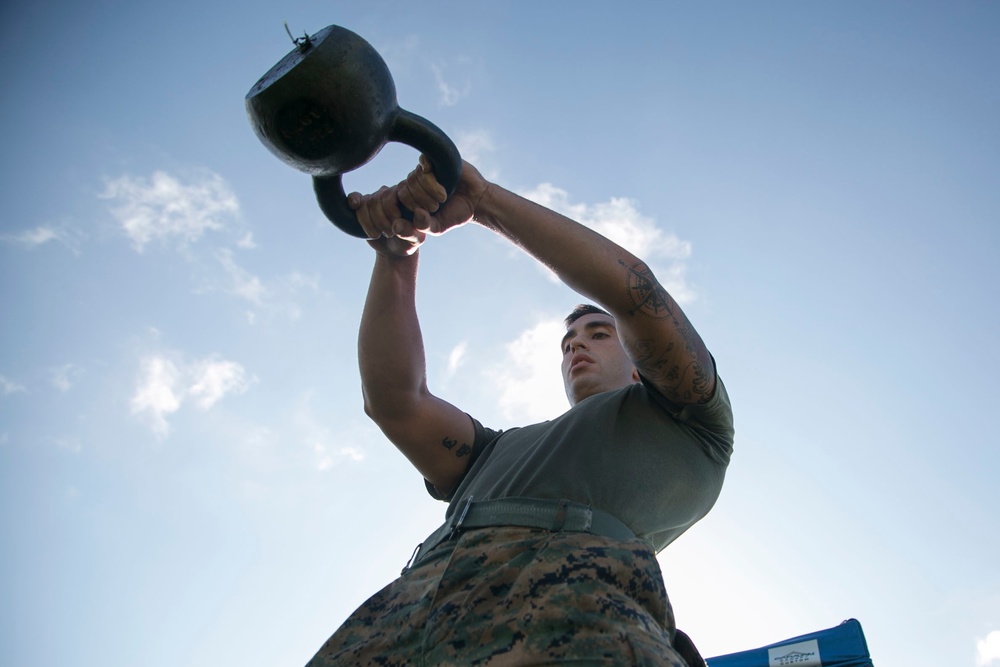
{"x":840,"y":646}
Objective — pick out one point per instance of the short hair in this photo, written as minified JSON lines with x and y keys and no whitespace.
{"x":584,"y":309}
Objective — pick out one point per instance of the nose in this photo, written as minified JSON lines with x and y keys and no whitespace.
{"x":576,"y":343}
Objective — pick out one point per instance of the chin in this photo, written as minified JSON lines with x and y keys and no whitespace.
{"x":584,"y":395}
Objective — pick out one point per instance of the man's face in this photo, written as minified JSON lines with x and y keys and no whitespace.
{"x":593,"y":358}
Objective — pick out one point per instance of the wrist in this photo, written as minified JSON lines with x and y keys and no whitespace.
{"x":485,"y":210}
{"x":396,"y":262}
{"x":395,"y":248}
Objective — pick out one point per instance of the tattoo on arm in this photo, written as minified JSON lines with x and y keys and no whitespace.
{"x":682,"y":370}
{"x":648,"y":296}
{"x":449,"y":444}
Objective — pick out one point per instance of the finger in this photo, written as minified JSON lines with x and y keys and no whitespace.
{"x":427,"y":180}
{"x":372,"y":215}
{"x":376,"y":208}
{"x":422,"y":219}
{"x":354,"y":200}
{"x":423,"y":197}
{"x":406,"y":197}
{"x":403,"y":229}
{"x":364,"y":216}
{"x":390,"y":207}
{"x":413,"y":193}
{"x":433,"y":190}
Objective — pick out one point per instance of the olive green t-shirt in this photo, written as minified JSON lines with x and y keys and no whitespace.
{"x":631,"y":452}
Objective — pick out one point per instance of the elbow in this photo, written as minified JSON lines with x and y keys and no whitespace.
{"x":371,"y":406}
{"x":384,"y":407}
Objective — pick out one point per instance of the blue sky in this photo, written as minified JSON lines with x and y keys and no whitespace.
{"x":186,"y":474}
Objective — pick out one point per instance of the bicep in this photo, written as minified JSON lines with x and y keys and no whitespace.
{"x":436,"y":437}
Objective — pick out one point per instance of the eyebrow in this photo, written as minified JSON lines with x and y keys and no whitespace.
{"x":589,"y":326}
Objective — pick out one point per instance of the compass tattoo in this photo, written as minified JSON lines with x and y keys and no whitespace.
{"x":683,"y":371}
{"x":647,"y":294}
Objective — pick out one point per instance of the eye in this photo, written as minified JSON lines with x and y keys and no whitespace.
{"x":600,"y":335}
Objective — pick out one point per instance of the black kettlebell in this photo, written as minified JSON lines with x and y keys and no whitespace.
{"x":329,"y":106}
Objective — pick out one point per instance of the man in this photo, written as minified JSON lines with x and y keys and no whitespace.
{"x":547,"y":555}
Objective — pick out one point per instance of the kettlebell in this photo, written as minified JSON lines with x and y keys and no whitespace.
{"x":329,"y":106}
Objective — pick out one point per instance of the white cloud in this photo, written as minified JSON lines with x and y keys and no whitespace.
{"x":988,"y":649}
{"x":69,"y":443}
{"x":247,"y":242}
{"x":326,"y":459}
{"x":213,"y":379}
{"x":158,"y":392}
{"x":297,"y":281}
{"x":164,"y":209}
{"x":474,"y":145}
{"x":327,"y":448}
{"x":8,"y":386}
{"x":529,"y":378}
{"x":165,"y":383}
{"x":37,"y":236}
{"x":32,"y":238}
{"x":275,"y":296}
{"x":244,"y":284}
{"x":620,"y":220}
{"x":450,"y":94}
{"x":456,"y":357}
{"x":65,"y":376}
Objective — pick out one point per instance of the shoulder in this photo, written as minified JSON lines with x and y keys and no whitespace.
{"x":711,"y":422}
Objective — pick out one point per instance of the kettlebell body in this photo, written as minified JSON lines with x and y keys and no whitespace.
{"x":329,"y":106}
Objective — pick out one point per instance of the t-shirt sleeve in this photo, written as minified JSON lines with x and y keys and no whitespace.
{"x":712,"y":421}
{"x":482,"y":438}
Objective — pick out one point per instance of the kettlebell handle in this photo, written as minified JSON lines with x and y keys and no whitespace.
{"x":414,"y":131}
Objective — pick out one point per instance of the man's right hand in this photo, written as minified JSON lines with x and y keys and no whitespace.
{"x":379,"y":214}
{"x":381,"y":219}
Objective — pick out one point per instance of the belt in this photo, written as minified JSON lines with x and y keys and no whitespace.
{"x":554,"y":515}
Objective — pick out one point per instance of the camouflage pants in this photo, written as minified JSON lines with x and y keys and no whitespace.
{"x":516,"y":596}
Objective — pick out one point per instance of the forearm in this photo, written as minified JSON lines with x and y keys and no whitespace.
{"x":654,"y":330}
{"x":433,"y":434}
{"x":587,"y":262}
{"x":390,"y":346}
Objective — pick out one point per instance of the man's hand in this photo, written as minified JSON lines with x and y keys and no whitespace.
{"x":381,"y":219}
{"x":380,"y":213}
{"x":422,"y":191}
